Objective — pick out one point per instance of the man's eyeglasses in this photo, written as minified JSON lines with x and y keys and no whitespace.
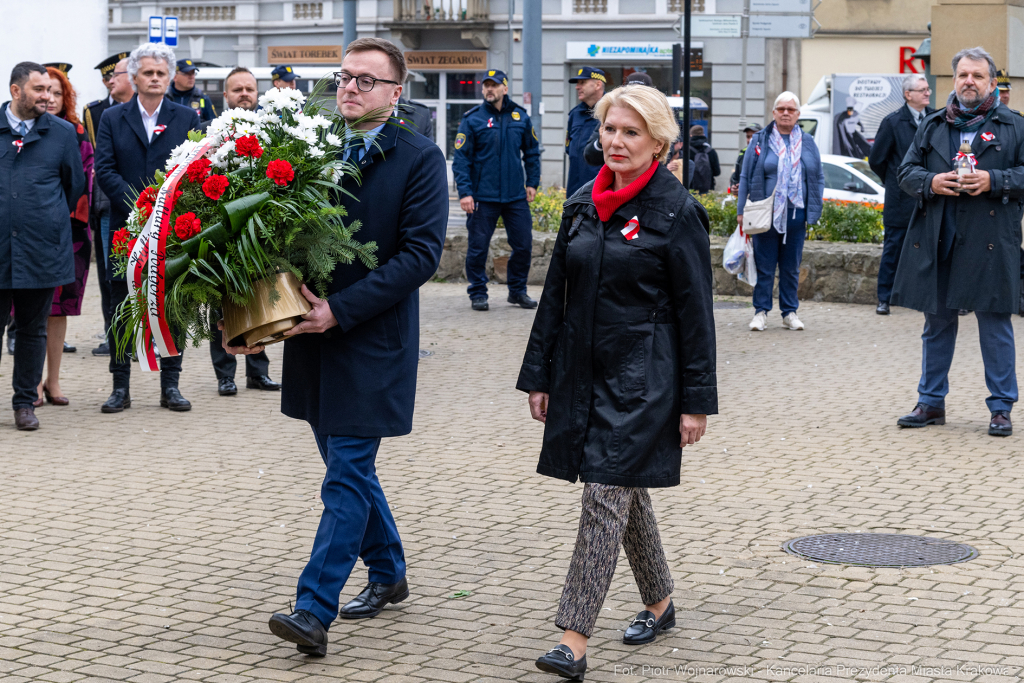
{"x":117,"y":73}
{"x":364,"y":83}
{"x":787,"y":110}
{"x":921,"y":90}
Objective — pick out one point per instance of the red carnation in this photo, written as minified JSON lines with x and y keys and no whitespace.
{"x":248,"y":146}
{"x":198,"y":169}
{"x":119,"y":242}
{"x":214,"y":186}
{"x":145,"y":211}
{"x":148,"y":196}
{"x":186,"y":226}
{"x":280,"y":171}
{"x":131,"y":244}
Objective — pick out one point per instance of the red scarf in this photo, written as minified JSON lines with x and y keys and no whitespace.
{"x":606,"y":200}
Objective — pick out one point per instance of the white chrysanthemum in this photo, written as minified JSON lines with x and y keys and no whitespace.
{"x":277,"y":99}
{"x":221,"y":156}
{"x":333,"y":140}
{"x":315,"y":152}
{"x":179,"y":153}
{"x":320,"y":121}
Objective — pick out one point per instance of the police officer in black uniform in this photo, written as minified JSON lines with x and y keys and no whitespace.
{"x":590,"y":84}
{"x":183,"y":90}
{"x":284,"y":76}
{"x":99,"y":212}
{"x":495,"y":140}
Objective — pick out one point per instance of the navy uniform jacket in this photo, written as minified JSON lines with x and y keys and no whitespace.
{"x":359,"y":378}
{"x":126,"y":161}
{"x":91,"y":114}
{"x":194,"y":99}
{"x":39,"y":188}
{"x":490,"y":150}
{"x":580,"y":127}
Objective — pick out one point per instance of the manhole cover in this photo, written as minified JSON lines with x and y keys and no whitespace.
{"x":425,"y":354}
{"x":730,"y":304}
{"x":879,"y":550}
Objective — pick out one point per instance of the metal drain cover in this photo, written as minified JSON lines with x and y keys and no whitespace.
{"x":879,"y":550}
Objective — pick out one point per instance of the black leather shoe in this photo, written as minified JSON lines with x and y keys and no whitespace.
{"x":68,"y":348}
{"x":303,"y":629}
{"x":522,"y":300}
{"x":560,"y":660}
{"x":882,"y":308}
{"x":374,"y":597}
{"x":263,"y":383}
{"x":1000,"y":424}
{"x":645,"y":628}
{"x":480,"y":305}
{"x":226,"y":387}
{"x":172,"y":398}
{"x":922,"y":416}
{"x":119,"y":400}
{"x":102,"y":350}
{"x":25,"y":419}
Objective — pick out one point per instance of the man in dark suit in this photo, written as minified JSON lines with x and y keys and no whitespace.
{"x":894,"y":137}
{"x":42,"y":179}
{"x":350,"y":368}
{"x":134,"y":141}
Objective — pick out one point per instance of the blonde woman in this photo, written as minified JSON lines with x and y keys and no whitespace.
{"x":620,"y":365}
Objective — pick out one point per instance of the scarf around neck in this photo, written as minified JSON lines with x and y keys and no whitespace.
{"x":606,"y":201}
{"x":789,"y":184}
{"x":969,"y":120}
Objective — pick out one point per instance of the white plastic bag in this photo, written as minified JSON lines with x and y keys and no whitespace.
{"x":749,"y":272}
{"x":734,"y":256}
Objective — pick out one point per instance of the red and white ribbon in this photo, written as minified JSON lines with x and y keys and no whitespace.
{"x":151,"y":247}
{"x":970,"y":158}
{"x":159,"y":129}
{"x":988,"y":137}
{"x":19,"y":144}
{"x":632,"y":229}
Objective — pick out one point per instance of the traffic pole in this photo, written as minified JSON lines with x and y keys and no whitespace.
{"x":686,"y":95}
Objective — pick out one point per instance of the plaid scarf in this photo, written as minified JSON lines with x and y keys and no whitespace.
{"x":969,"y":120}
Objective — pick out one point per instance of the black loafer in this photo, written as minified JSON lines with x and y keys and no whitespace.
{"x":480,"y":304}
{"x":882,"y":308}
{"x":119,"y":400}
{"x":560,"y":660}
{"x":227,"y":387}
{"x":1000,"y":424}
{"x":645,"y":628}
{"x":303,"y":629}
{"x":102,"y":350}
{"x":68,"y":348}
{"x":374,"y":597}
{"x":522,"y":300}
{"x":171,"y":398}
{"x":263,"y":383}
{"x":922,"y":416}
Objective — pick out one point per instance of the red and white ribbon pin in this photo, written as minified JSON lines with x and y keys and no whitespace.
{"x":988,"y":137}
{"x":632,"y":229}
{"x":159,"y":129}
{"x":19,"y":144}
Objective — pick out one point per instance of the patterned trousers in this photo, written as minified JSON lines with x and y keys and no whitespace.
{"x":612,"y":516}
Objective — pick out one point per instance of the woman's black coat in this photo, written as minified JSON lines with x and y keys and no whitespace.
{"x":624,"y":338}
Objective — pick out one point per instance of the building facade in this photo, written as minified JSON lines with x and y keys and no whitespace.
{"x":450,"y":43}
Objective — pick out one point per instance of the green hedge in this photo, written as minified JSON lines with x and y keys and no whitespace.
{"x":840,"y":221}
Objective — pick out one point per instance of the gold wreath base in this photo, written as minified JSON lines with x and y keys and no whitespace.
{"x":261,"y":322}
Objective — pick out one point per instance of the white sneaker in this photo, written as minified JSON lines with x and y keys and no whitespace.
{"x":759,"y":321}
{"x":791,"y":322}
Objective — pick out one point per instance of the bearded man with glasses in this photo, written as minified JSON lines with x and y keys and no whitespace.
{"x":350,"y":367}
{"x":894,"y":137}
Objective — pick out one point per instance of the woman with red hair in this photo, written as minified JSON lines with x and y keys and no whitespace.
{"x":67,"y":300}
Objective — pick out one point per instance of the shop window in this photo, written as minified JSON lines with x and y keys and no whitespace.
{"x":590,"y":6}
{"x":679,"y":6}
{"x":308,"y":10}
{"x":464,"y":86}
{"x":423,"y":86}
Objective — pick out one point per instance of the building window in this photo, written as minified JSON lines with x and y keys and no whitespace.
{"x":202,"y":12}
{"x":110,"y":15}
{"x":679,"y":6}
{"x":590,"y":6}
{"x":308,"y":10}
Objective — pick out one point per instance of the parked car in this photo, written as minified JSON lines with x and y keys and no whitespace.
{"x":851,"y":180}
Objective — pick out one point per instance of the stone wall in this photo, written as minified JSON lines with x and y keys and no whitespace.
{"x":831,"y":271}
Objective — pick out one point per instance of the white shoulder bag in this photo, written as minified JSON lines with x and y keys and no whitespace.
{"x":757,"y":216}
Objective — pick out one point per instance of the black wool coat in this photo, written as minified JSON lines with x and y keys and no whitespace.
{"x":39,"y":187}
{"x":894,"y":137}
{"x":985,"y":268}
{"x":126,"y":161}
{"x":359,"y":378}
{"x":624,"y":338}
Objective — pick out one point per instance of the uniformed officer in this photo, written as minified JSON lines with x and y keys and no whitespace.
{"x":284,"y":76}
{"x":494,"y":141}
{"x":1003,"y":81}
{"x":734,"y":179}
{"x":119,"y":90}
{"x":590,"y":83}
{"x":183,"y":90}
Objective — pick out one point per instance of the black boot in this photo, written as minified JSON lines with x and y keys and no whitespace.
{"x":119,"y":400}
{"x":171,"y":398}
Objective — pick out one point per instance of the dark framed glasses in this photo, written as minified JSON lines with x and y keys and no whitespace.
{"x":364,"y":83}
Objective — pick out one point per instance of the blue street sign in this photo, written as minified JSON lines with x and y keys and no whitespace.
{"x":156,"y":29}
{"x":171,"y":31}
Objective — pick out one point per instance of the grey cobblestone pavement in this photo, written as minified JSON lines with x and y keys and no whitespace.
{"x":151,"y":546}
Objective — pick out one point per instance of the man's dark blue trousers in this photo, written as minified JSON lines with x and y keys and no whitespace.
{"x":518,"y":226}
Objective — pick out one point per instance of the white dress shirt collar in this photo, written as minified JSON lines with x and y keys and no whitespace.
{"x":148,"y":121}
{"x":16,"y":122}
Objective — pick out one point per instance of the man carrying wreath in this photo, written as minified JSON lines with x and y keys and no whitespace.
{"x":350,"y":368}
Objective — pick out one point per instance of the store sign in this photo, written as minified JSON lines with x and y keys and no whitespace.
{"x":304,"y":54}
{"x":907,"y":60}
{"x":446,"y":60}
{"x":584,"y":51}
{"x":783,"y":6}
